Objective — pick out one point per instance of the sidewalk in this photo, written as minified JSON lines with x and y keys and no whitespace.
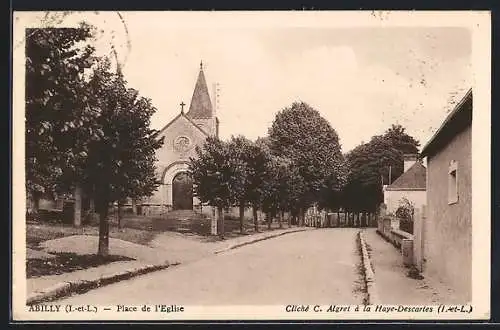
{"x":46,"y":288}
{"x":392,"y":283}
{"x":166,"y":249}
{"x":233,"y":243}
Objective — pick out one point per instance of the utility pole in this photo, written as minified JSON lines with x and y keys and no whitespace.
{"x":390,"y":168}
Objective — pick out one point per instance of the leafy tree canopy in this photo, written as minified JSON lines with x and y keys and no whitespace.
{"x":56,"y":113}
{"x":301,"y":134}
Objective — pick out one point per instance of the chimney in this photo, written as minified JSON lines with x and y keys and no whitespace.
{"x":408,"y":161}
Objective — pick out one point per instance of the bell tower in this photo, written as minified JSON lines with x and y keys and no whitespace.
{"x":201,"y":110}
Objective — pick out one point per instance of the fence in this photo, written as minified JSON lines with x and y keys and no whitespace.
{"x":341,"y":219}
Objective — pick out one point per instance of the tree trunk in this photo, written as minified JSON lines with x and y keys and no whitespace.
{"x":134,"y":207}
{"x":33,"y":205}
{"x":255,"y":219}
{"x":280,"y":219}
{"x":91,"y":210}
{"x":120,"y":214}
{"x":301,"y":217}
{"x":358,"y":220}
{"x":103,"y":250}
{"x":289,"y":220}
{"x":242,"y":217}
{"x":77,"y":215}
{"x":269,"y":220}
{"x":36,"y":203}
{"x":220,"y":225}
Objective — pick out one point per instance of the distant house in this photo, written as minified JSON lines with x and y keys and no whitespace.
{"x":448,"y":228}
{"x":410,"y":185}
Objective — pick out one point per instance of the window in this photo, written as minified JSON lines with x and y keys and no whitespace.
{"x":452,"y":183}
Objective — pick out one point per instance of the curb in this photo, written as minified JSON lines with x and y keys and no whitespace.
{"x":258,"y":240}
{"x":65,"y":289}
{"x":372,"y":295}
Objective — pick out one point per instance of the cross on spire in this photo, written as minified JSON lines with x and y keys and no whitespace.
{"x":182,"y":106}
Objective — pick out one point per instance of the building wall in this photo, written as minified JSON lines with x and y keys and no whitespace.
{"x":392,"y":198}
{"x":208,"y":125}
{"x":448,"y":228}
{"x":171,"y":160}
{"x":168,"y":153}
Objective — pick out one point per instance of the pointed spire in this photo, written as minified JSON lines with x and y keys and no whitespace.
{"x":201,"y":105}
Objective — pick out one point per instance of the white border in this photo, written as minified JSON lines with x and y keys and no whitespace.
{"x":477,"y":21}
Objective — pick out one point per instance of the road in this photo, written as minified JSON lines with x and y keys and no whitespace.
{"x":311,"y":267}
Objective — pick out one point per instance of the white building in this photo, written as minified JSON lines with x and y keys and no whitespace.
{"x":410,"y":185}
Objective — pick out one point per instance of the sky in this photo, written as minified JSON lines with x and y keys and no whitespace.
{"x":361,"y":78}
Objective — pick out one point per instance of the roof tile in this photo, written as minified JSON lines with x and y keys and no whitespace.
{"x":414,"y":178}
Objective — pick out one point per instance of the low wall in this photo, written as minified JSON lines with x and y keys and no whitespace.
{"x":388,"y":227}
{"x":397,"y":237}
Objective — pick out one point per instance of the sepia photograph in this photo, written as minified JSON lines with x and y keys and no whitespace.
{"x":313,"y":165}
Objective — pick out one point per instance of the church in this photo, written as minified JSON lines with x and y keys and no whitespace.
{"x":181,"y":136}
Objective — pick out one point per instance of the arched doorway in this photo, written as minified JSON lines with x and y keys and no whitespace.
{"x":182,"y":192}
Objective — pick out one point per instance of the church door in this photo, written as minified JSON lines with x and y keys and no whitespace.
{"x":182,"y":192}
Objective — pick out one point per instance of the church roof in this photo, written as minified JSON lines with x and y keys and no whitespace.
{"x":413,"y":179}
{"x":187,"y":118}
{"x":201,"y":106}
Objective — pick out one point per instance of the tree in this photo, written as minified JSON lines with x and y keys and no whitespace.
{"x":212,"y":173}
{"x":368,"y":164}
{"x":331,"y":193}
{"x":404,"y":143}
{"x":302,"y":135}
{"x":283,"y":185}
{"x":92,"y":133}
{"x":239,"y":183}
{"x":258,"y":159}
{"x":405,"y":210}
{"x":57,"y":119}
{"x":121,"y":154}
{"x":250,"y":163}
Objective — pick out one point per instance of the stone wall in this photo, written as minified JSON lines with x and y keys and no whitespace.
{"x":388,"y":227}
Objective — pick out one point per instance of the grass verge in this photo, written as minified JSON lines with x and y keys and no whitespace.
{"x":67,"y":262}
{"x":40,"y":232}
{"x":360,"y":287}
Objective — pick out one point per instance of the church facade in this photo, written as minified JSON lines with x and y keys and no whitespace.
{"x":181,"y":136}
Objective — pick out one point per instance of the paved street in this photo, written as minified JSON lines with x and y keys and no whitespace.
{"x":312,"y":267}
